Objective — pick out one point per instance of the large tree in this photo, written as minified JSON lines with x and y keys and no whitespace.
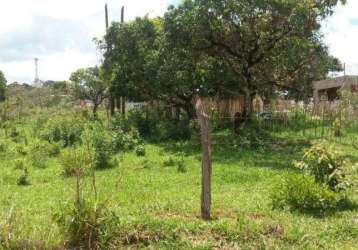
{"x":220,"y":48}
{"x":2,"y":86}
{"x":268,"y":44}
{"x":146,"y":66}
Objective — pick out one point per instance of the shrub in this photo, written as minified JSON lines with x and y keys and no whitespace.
{"x":326,"y":166}
{"x":87,"y":225}
{"x":122,"y":140}
{"x":66,"y":129}
{"x":253,"y":135}
{"x":40,"y":153}
{"x":75,"y":161}
{"x":146,"y":122}
{"x":99,"y":139}
{"x":125,"y":136}
{"x":3,"y":148}
{"x":23,"y":178}
{"x":303,"y":194}
{"x":152,"y":125}
{"x":181,"y":166}
{"x":140,"y":150}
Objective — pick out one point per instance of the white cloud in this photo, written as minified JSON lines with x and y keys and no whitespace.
{"x":341,"y":35}
{"x":59,"y":32}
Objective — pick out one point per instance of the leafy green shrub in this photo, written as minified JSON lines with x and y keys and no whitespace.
{"x":146,"y":122}
{"x":302,"y":193}
{"x":124,"y":140}
{"x":75,"y":161}
{"x":253,"y":135}
{"x":140,"y":150}
{"x":3,"y":148}
{"x":66,"y":129}
{"x":99,"y":139}
{"x":125,"y":136}
{"x":41,"y":151}
{"x":14,"y":133}
{"x":23,"y":178}
{"x":182,"y":167}
{"x":326,"y":166}
{"x":152,"y":126}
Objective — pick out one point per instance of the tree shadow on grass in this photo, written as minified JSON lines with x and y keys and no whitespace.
{"x":227,"y":149}
{"x":343,"y":205}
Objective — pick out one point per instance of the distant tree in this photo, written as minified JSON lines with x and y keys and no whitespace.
{"x":2,"y":86}
{"x":88,"y":84}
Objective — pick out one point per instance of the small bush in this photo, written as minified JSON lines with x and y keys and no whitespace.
{"x":140,"y":150}
{"x":3,"y":148}
{"x":14,"y":134}
{"x":75,"y":161}
{"x":66,"y":129}
{"x":23,"y":178}
{"x":100,"y":140}
{"x":303,"y":194}
{"x":182,"y":167}
{"x":326,"y":166}
{"x":40,"y":153}
{"x":88,"y":225}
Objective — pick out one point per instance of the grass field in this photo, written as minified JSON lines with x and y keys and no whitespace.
{"x":159,"y":207}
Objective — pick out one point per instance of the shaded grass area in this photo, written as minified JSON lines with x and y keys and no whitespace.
{"x":158,"y":207}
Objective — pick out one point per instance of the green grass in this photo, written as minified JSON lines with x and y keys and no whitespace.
{"x":159,"y":207}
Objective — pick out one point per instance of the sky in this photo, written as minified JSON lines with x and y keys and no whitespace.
{"x":60,"y":33}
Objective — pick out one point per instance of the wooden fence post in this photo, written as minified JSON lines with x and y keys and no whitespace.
{"x":205,"y":127}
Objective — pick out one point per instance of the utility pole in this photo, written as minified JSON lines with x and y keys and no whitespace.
{"x":123,"y":101}
{"x":106,"y":16}
{"x":344,"y":69}
{"x":111,"y":103}
{"x":37,"y":82}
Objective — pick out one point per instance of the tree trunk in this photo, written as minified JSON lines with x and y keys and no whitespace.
{"x":111,"y":105}
{"x":204,"y":122}
{"x":248,"y":104}
{"x":123,"y":104}
{"x":118,"y":103}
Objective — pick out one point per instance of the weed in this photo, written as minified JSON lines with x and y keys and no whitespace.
{"x":140,"y":150}
{"x":23,"y":178}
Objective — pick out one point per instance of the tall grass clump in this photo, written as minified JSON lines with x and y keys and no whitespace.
{"x":87,"y":223}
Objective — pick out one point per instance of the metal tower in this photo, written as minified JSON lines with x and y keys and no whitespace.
{"x":37,"y":82}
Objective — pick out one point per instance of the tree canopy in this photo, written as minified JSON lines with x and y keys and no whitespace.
{"x":2,"y":86}
{"x":88,"y":84}
{"x":221,"y":48}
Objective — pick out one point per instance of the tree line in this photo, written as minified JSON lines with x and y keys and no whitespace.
{"x":212,"y":48}
{"x":220,"y":49}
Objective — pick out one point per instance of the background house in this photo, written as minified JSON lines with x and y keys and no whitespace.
{"x":328,"y":90}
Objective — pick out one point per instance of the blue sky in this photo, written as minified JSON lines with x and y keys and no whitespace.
{"x":60,"y":32}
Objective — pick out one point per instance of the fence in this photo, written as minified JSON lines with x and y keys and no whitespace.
{"x":275,"y":126}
